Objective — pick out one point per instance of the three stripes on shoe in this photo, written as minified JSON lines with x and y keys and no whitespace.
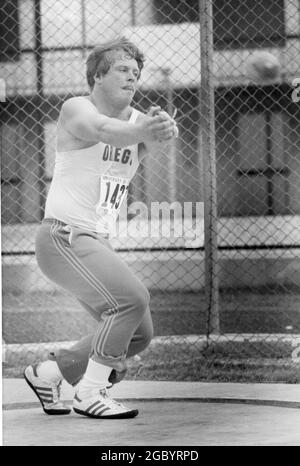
{"x":46,"y":394}
{"x":96,"y":408}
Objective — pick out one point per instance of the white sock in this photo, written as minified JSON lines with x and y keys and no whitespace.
{"x":49,"y":371}
{"x":95,"y":377}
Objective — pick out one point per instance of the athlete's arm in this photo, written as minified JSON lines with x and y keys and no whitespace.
{"x":81,"y":119}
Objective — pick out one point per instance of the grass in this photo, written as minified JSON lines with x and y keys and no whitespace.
{"x":54,"y":316}
{"x":42,"y":317}
{"x":222,"y":362}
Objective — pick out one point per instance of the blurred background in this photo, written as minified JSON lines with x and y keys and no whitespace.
{"x":225,"y":295}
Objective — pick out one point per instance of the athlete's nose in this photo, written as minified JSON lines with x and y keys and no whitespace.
{"x":130,"y":76}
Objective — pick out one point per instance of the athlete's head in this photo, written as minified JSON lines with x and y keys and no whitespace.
{"x":104,"y":56}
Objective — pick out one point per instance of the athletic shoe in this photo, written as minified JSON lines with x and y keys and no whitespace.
{"x":101,"y":406}
{"x":47,"y":393}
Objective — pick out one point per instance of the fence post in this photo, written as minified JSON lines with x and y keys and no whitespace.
{"x":207,"y":133}
{"x":172,"y":145}
{"x":39,"y":127}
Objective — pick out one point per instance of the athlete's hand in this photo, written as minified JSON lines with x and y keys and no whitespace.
{"x":158,"y":126}
{"x":156,"y":110}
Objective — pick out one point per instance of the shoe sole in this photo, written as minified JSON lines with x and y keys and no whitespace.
{"x":127,"y":415}
{"x":50,"y":412}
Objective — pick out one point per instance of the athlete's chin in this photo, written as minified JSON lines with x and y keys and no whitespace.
{"x":123,"y":101}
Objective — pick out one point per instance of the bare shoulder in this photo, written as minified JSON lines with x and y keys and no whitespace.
{"x":71,"y":110}
{"x":77,"y":104}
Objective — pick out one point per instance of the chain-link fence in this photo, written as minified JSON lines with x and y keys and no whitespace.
{"x":224,"y":283}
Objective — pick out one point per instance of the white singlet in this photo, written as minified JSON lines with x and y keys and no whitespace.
{"x":89,"y":185}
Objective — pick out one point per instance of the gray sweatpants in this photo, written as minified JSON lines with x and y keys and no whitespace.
{"x":85,"y":264}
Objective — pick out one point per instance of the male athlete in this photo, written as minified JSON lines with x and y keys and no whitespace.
{"x":100,"y":141}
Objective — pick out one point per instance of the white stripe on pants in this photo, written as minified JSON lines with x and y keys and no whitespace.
{"x":85,"y":264}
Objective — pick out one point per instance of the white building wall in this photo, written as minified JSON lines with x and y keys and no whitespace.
{"x":174,"y":46}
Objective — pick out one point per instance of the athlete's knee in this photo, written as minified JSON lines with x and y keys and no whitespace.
{"x":147,"y":337}
{"x":140,"y":298}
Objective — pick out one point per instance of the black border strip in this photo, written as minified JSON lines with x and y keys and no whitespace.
{"x":263,"y":247}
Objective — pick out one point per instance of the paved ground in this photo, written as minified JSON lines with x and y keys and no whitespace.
{"x":171,"y":413}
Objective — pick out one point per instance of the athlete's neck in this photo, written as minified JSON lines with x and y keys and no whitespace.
{"x":109,"y":109}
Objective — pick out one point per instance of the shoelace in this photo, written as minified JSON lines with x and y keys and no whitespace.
{"x":110,"y":402}
{"x":56,"y":392}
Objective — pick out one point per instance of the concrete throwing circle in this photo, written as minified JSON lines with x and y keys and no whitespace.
{"x":161,"y":422}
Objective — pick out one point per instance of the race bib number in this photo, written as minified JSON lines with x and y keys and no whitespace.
{"x":113,"y":191}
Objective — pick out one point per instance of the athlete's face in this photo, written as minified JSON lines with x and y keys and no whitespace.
{"x":120,"y":82}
